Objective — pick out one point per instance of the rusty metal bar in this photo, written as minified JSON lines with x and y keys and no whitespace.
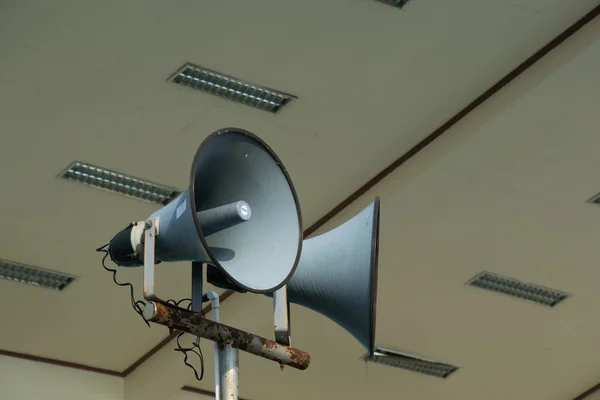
{"x":195,"y":324}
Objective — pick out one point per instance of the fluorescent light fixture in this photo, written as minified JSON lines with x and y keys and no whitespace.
{"x":116,"y":182}
{"x":516,"y":288}
{"x":411,"y":363}
{"x":595,"y":199}
{"x":231,"y":88}
{"x":35,"y":276}
{"x":395,"y":3}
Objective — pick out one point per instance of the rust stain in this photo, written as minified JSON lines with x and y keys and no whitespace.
{"x":301,"y":359}
{"x":162,"y":314}
{"x":270,"y":345}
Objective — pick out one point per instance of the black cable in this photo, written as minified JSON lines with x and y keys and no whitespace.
{"x":177,"y":303}
{"x":185,"y":356}
{"x":137,"y":305}
{"x":195,"y":345}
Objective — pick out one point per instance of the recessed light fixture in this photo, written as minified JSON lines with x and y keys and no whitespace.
{"x":411,"y":363}
{"x":395,"y":3}
{"x":595,"y":199}
{"x":35,"y":276}
{"x":116,"y":182}
{"x":231,"y":88}
{"x":513,"y":287}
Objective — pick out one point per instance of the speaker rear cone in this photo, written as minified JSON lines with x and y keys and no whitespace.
{"x":337,"y":275}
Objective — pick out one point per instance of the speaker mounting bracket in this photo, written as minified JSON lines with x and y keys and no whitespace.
{"x":150,"y":233}
{"x":281,"y":316}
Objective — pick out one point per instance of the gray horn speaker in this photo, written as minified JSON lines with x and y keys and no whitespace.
{"x":240,"y":213}
{"x":337,"y":275}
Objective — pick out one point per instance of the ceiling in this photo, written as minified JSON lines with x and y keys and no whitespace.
{"x":505,"y":192}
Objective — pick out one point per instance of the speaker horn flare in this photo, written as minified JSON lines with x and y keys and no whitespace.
{"x":337,"y":275}
{"x":240,"y":213}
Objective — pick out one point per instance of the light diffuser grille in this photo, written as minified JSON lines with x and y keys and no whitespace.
{"x":119,"y":183}
{"x":516,"y":288}
{"x":395,"y":3}
{"x":411,"y":363}
{"x":595,"y":199}
{"x":35,"y":276}
{"x":231,"y":88}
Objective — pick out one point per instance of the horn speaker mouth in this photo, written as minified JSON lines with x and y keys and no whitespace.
{"x":374,"y":273}
{"x":243,"y":167}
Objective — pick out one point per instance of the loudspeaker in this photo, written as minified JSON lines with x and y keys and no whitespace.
{"x":337,"y":275}
{"x":240,"y":213}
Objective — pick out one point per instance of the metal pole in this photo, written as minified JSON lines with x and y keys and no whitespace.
{"x":195,"y":324}
{"x":229,"y":361}
{"x":214,"y":302}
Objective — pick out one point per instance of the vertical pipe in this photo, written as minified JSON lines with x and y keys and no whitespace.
{"x":197,"y":283}
{"x":229,"y":373}
{"x":214,"y":302}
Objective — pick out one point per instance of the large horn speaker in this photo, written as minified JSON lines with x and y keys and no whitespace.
{"x":240,"y":213}
{"x":337,"y":275}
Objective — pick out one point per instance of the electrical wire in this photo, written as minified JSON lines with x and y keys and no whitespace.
{"x":195,"y":345}
{"x":138,"y":305}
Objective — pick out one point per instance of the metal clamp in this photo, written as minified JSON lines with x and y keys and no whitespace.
{"x":281,"y":316}
{"x":150,"y":233}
